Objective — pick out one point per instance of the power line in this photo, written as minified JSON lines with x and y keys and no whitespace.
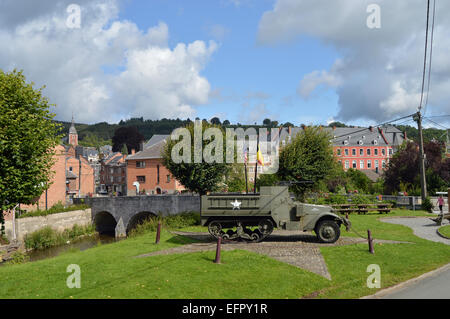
{"x":435,"y":123}
{"x":431,"y":117}
{"x":425,"y":57}
{"x":431,"y":56}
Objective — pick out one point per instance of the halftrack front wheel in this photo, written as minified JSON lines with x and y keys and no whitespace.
{"x":215,"y":228}
{"x":328,"y":231}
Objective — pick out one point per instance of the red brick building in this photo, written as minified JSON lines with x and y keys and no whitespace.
{"x":146,"y":168}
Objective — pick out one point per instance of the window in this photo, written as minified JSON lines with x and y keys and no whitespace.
{"x":383,"y":164}
{"x":390,"y":152}
{"x":140,"y":164}
{"x":347,"y":164}
{"x":375,"y":152}
{"x":361,"y":152}
{"x":383,"y":151}
{"x":111,"y":179}
{"x":157,"y":174}
{"x":111,"y":171}
{"x":346,"y":152}
{"x":353,"y":151}
{"x":168,"y":178}
{"x":369,"y":164}
{"x":70,"y":168}
{"x":368,"y":152}
{"x":140,"y":179}
{"x":376,"y":164}
{"x":338,"y":152}
{"x":354,"y":164}
{"x":361,"y":164}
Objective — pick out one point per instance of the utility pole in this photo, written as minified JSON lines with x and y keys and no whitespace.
{"x":423,"y":182}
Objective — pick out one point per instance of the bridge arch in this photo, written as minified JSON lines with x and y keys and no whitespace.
{"x":105,"y":223}
{"x":139,"y":218}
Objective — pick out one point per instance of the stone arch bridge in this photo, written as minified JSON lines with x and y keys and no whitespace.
{"x":119,"y":215}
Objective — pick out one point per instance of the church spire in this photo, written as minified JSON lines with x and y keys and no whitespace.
{"x":73,"y":135}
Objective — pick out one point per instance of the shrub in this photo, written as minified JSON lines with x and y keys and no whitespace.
{"x":41,"y":239}
{"x":171,"y":222}
{"x":47,"y":237}
{"x":18,"y":257}
{"x":427,"y":205}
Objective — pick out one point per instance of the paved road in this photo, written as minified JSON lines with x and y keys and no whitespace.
{"x":422,"y":227}
{"x":436,"y":286}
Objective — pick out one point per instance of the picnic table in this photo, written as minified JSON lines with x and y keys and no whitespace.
{"x":362,"y":208}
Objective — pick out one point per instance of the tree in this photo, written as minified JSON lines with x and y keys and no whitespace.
{"x":199,"y":177}
{"x":124,"y":150}
{"x":267,"y":122}
{"x":402,"y":172}
{"x":226,"y":122}
{"x":28,"y":137}
{"x":215,"y":121}
{"x":359,"y":180}
{"x":309,"y":157}
{"x":129,"y":136}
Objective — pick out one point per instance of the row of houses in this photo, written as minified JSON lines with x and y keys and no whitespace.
{"x":81,"y":171}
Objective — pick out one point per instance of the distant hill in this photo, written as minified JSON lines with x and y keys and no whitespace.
{"x":102,"y":133}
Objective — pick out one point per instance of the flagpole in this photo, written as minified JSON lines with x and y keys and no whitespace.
{"x":256,"y":166}
{"x":246,"y":182}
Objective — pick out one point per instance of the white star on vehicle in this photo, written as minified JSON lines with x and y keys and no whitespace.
{"x":236,"y":204}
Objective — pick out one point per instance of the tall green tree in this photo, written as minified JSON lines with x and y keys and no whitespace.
{"x":28,"y":137}
{"x":309,"y":157}
{"x":128,"y":135}
{"x":402,"y":172}
{"x":200,"y":177}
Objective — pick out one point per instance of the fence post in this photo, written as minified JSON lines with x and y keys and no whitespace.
{"x":158,"y":232}
{"x":347,"y":227}
{"x":369,"y":238}
{"x":219,"y":241}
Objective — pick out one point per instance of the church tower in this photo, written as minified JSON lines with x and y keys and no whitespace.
{"x":73,"y":135}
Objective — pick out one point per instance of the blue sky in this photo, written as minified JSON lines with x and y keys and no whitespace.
{"x":241,"y":67}
{"x":298,"y":61}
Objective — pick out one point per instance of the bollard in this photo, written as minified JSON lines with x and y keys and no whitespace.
{"x":219,"y":241}
{"x":158,"y":232}
{"x":369,"y":238}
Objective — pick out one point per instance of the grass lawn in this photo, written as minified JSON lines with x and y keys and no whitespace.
{"x":445,"y":230}
{"x":110,"y":271}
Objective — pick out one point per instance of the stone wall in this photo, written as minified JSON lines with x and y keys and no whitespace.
{"x":58,"y":222}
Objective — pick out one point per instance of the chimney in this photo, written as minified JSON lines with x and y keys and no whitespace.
{"x":133,"y":151}
{"x":289,"y":130}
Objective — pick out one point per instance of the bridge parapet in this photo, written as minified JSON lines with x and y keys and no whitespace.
{"x":130,"y":208}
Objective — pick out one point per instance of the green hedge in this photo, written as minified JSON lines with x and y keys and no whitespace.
{"x":55,"y":209}
{"x":337,"y":199}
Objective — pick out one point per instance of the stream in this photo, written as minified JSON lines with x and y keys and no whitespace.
{"x":78,"y":244}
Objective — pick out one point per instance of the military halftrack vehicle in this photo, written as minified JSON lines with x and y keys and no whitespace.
{"x":253,"y":217}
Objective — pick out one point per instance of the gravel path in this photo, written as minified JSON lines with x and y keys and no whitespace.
{"x":422,"y":227}
{"x":292,"y":247}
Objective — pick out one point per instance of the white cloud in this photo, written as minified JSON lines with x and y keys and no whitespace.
{"x":378,"y":74}
{"x":108,"y":68}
